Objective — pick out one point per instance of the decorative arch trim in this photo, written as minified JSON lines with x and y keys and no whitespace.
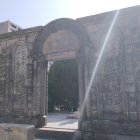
{"x":56,"y":25}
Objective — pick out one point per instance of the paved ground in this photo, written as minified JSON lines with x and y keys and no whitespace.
{"x":60,"y":121}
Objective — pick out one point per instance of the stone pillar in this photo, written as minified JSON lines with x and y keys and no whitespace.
{"x":46,"y":95}
{"x":81,"y":83}
{"x":43,"y":93}
{"x":81,"y":76}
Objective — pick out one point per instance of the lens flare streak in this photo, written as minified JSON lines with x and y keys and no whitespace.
{"x":98,"y":62}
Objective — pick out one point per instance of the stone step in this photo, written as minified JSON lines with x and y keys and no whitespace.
{"x":45,"y":139}
{"x":54,"y":134}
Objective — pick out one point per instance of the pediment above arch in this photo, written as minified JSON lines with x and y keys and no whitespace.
{"x":61,"y":41}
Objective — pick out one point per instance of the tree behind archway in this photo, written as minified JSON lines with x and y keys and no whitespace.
{"x":63,"y":86}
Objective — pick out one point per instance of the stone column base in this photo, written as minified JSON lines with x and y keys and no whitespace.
{"x":85,"y":135}
{"x":16,"y":132}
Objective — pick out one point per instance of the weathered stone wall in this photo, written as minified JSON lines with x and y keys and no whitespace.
{"x":17,"y":100}
{"x":113,"y":106}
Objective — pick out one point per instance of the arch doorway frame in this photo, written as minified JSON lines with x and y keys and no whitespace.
{"x":41,"y":61}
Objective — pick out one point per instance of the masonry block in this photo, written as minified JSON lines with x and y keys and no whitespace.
{"x":16,"y":132}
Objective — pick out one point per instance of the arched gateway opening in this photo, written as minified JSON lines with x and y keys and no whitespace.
{"x":62,"y":39}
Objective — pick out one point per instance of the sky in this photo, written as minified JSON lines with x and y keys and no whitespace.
{"x":30,"y":13}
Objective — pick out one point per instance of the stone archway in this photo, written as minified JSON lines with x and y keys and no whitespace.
{"x":61,"y":39}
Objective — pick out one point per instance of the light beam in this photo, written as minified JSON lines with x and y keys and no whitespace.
{"x":98,"y":62}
